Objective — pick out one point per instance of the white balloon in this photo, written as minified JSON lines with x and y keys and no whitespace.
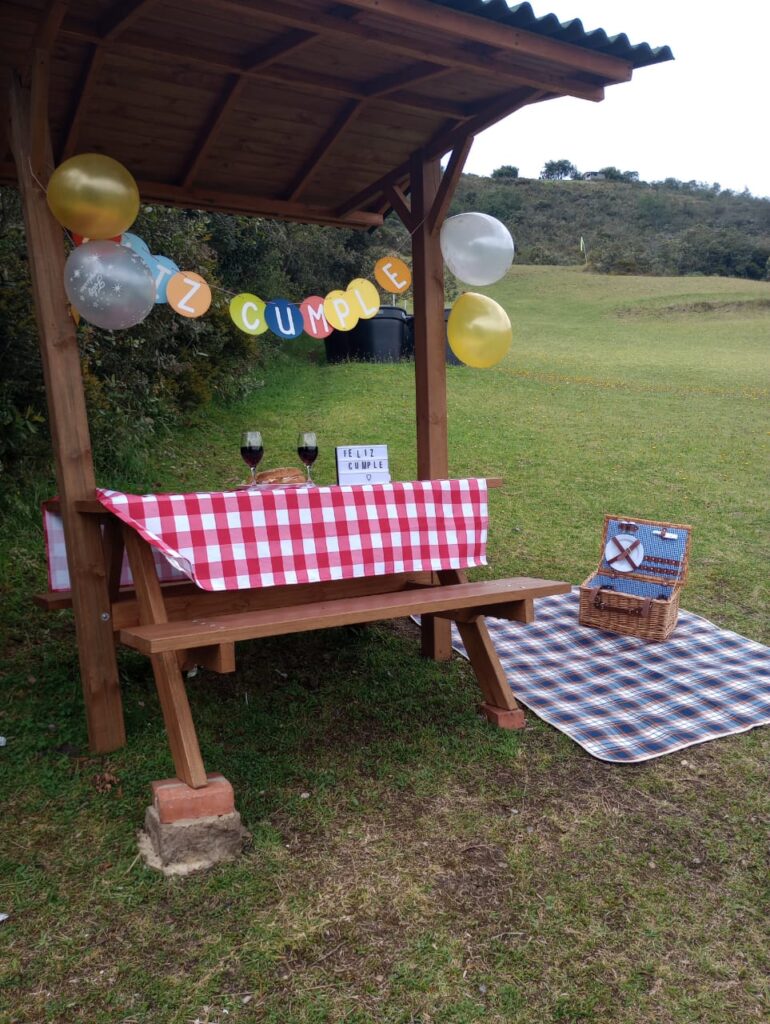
{"x":477,"y":248}
{"x":109,"y":285}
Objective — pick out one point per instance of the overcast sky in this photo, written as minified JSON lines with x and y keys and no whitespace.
{"x":702,"y":116}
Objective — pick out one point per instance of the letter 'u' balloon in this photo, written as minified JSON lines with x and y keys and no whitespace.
{"x":479,"y":330}
{"x":94,"y":196}
{"x":477,"y":248}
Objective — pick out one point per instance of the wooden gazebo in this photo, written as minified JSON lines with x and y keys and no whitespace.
{"x":315,"y":111}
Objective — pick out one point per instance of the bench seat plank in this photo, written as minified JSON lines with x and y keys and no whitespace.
{"x":203,"y":631}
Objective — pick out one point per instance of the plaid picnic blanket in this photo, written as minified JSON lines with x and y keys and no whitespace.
{"x":624,"y":699}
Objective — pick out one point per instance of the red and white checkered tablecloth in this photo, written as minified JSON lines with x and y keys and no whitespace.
{"x":296,"y":540}
{"x":237,"y":540}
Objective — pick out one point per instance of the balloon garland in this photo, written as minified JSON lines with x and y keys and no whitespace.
{"x":113,"y":280}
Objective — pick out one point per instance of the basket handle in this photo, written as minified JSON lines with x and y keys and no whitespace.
{"x":604,"y":605}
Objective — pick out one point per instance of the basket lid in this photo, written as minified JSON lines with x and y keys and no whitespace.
{"x":645,"y":549}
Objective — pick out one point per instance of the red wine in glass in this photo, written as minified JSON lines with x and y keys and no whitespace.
{"x":252,"y":451}
{"x":307,"y":449}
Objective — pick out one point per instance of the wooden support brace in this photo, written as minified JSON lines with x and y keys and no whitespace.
{"x":482,"y":654}
{"x":177,"y":716}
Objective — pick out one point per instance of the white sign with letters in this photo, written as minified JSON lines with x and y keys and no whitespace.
{"x":363,"y":464}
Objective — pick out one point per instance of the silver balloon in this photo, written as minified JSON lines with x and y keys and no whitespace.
{"x":477,"y":248}
{"x":109,"y":285}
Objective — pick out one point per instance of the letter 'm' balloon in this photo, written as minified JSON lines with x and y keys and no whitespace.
{"x":109,"y":285}
{"x":479,"y":330}
{"x":93,"y":195}
{"x":477,"y":248}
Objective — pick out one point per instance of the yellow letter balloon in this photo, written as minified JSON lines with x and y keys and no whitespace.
{"x":93,"y":195}
{"x":479,"y":330}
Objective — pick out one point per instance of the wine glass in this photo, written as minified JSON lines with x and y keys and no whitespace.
{"x":252,"y":452}
{"x":307,"y":449}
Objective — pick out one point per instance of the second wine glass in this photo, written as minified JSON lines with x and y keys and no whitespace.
{"x":307,"y":449}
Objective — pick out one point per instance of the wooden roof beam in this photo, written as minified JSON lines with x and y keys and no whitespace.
{"x":451,"y":55}
{"x":471,"y":28}
{"x":345,"y":117}
{"x":290,"y":42}
{"x":445,"y":139}
{"x":40,"y":75}
{"x":109,"y":31}
{"x":123,"y":17}
{"x":225,"y":201}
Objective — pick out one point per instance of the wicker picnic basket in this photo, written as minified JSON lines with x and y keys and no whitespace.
{"x":642,"y":570}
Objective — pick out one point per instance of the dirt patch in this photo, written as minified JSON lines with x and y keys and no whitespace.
{"x":701,"y":307}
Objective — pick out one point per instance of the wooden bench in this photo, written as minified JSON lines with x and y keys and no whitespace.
{"x":506,"y":598}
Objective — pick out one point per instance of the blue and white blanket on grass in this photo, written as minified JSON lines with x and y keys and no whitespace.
{"x":624,"y":699}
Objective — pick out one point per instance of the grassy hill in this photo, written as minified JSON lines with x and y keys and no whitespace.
{"x":408,"y":863}
{"x":628,"y":227}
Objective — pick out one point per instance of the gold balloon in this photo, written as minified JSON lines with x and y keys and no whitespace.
{"x":479,"y":330}
{"x":93,"y":195}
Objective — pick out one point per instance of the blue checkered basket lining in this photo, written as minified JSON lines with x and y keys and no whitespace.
{"x":672,"y":549}
{"x":624,"y":699}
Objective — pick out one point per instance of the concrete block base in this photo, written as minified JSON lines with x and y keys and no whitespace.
{"x":502,"y":717}
{"x":191,"y":844}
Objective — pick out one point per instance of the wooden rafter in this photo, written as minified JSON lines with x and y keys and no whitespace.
{"x":445,"y":139}
{"x":110,"y":30}
{"x":449,"y":55}
{"x":43,"y":42}
{"x":123,"y":17}
{"x":84,"y":93}
{"x":335,"y":130}
{"x":453,"y":54}
{"x":261,"y":59}
{"x":226,"y":201}
{"x":500,"y":37}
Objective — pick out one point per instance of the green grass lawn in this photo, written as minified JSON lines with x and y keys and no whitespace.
{"x":407,"y":862}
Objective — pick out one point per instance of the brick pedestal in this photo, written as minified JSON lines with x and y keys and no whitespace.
{"x":188,"y":830}
{"x":502,"y":717}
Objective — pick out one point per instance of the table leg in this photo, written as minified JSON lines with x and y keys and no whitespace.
{"x":177,"y":716}
{"x":486,"y":665}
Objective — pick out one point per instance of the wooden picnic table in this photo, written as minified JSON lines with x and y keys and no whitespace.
{"x":179,"y":625}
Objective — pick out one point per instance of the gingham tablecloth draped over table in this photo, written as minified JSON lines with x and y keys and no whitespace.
{"x":236,"y":540}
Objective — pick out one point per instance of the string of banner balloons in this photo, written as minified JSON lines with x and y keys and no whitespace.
{"x":113,"y":280}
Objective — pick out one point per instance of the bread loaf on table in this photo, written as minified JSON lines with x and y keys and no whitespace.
{"x":282,"y":475}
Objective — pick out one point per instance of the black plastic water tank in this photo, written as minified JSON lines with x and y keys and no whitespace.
{"x":451,"y":358}
{"x":379,"y":340}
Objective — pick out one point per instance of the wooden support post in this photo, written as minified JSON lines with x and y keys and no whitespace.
{"x":429,"y":358}
{"x":69,"y":435}
{"x":177,"y":716}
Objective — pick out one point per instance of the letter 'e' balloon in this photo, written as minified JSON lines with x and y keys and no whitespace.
{"x":479,"y":330}
{"x":477,"y":248}
{"x":94,"y":196}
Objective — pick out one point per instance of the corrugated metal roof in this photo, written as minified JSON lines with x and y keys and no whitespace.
{"x":522,"y":16}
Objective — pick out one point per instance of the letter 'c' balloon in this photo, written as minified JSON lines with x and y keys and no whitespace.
{"x":94,"y":196}
{"x":479,"y":330}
